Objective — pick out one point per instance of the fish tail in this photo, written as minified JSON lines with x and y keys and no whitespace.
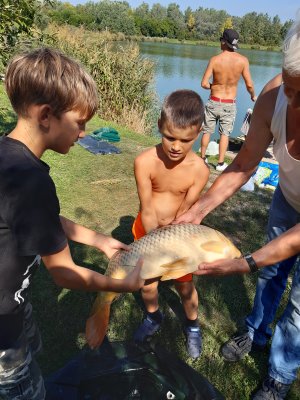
{"x":96,"y":326}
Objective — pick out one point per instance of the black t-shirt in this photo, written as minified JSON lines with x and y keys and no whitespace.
{"x":29,"y":228}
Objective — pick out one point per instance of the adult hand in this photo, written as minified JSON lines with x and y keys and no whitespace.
{"x":109,"y":245}
{"x":194,"y":215}
{"x":254,"y":98}
{"x":133,"y":280}
{"x":223,"y":267}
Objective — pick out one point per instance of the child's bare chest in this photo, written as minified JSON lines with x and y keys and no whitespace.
{"x":176,"y":181}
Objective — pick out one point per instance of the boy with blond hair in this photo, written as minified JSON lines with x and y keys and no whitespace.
{"x":170,"y":178}
{"x":54,"y":98}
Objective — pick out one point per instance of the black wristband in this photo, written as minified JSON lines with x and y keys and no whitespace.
{"x":252,"y":264}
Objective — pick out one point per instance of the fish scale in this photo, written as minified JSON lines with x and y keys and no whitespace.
{"x":166,"y":237}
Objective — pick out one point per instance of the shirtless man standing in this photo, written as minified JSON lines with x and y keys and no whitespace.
{"x":226,"y":69}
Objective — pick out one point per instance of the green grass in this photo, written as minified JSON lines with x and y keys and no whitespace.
{"x":99,"y":192}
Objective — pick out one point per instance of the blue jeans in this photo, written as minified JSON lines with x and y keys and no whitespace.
{"x":284,"y":357}
{"x":20,"y":376}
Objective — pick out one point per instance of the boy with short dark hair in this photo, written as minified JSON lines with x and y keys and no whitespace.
{"x":53,"y":97}
{"x":170,"y":178}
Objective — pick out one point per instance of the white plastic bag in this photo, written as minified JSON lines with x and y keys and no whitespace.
{"x":212,"y":148}
{"x":248,"y":186}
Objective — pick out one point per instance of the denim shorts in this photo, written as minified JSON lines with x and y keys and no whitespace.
{"x":224,"y":113}
{"x":20,"y":376}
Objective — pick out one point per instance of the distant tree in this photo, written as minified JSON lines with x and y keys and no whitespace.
{"x":209,"y":22}
{"x":201,"y":23}
{"x":285,"y":27}
{"x":190,"y":20}
{"x":273,"y":36}
{"x":66,"y":13}
{"x":142,"y":11}
{"x":158,"y":12}
{"x":226,"y":25}
{"x":248,"y":27}
{"x":176,"y":19}
{"x":115,"y":16}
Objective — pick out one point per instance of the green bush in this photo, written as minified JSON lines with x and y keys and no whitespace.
{"x":124,"y":78}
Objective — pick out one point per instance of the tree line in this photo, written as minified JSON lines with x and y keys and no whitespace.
{"x":170,"y":22}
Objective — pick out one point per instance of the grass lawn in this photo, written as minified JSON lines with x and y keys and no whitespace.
{"x":99,"y":192}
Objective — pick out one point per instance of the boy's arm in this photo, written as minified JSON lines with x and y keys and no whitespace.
{"x":67,"y":274}
{"x":193,"y":194}
{"x":81,"y":234}
{"x":142,"y":172}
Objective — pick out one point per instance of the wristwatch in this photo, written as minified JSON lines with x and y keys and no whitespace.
{"x":252,"y":264}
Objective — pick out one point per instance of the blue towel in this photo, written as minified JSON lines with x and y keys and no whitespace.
{"x":97,"y":146}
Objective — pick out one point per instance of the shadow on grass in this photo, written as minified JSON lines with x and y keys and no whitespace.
{"x":62,"y":313}
{"x":123,"y":231}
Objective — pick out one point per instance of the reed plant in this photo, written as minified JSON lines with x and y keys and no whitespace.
{"x":124,"y":78}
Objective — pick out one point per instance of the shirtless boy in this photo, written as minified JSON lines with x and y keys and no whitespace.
{"x":226,"y":69}
{"x":170,"y":178}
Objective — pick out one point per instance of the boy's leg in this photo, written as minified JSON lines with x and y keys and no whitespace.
{"x":153,"y":318}
{"x":150,"y":296}
{"x":189,"y":299}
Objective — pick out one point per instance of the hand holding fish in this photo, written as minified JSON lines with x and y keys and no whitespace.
{"x":133,"y":281}
{"x":108,"y":245}
{"x":194,"y":215}
{"x":223,"y":267}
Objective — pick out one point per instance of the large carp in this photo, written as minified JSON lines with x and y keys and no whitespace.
{"x":168,"y":253}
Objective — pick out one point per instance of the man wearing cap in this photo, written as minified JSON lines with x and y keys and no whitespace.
{"x":226,"y":69}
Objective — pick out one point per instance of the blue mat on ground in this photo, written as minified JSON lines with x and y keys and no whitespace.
{"x":97,"y":146}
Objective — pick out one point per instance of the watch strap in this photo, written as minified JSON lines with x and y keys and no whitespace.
{"x":252,"y":264}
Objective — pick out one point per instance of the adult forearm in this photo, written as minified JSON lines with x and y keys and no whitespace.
{"x":251,"y":91}
{"x":223,"y":188}
{"x":281,"y":248}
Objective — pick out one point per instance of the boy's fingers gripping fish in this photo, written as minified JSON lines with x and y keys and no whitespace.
{"x":169,"y":252}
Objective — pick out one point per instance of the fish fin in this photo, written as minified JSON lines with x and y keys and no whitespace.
{"x":97,"y":323}
{"x":176,"y":269}
{"x":214,"y":246}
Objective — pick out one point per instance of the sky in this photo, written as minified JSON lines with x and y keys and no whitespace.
{"x":285,"y":9}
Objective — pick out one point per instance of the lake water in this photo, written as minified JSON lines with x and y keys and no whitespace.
{"x":181,"y":66}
